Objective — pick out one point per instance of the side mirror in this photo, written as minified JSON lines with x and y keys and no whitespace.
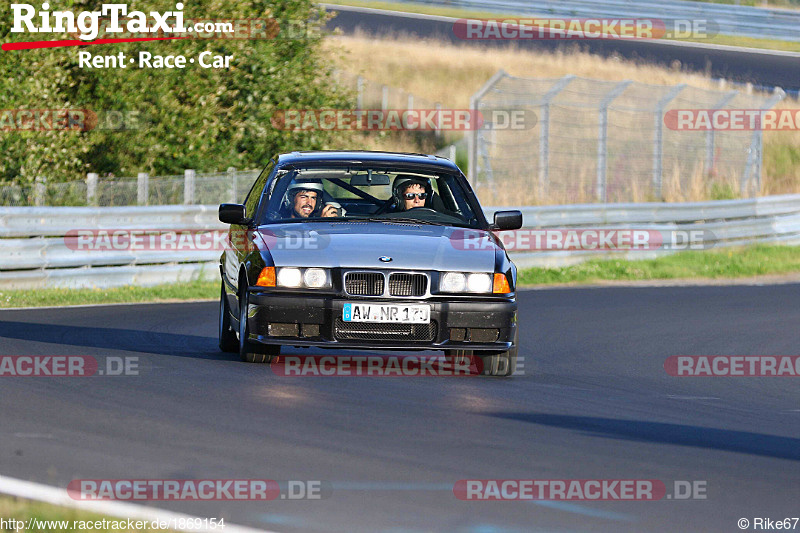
{"x":506,"y":220}
{"x":232,"y":214}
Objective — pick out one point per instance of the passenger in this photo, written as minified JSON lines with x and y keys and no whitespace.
{"x":304,"y":196}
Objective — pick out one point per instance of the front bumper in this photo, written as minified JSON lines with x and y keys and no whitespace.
{"x":315,"y":320}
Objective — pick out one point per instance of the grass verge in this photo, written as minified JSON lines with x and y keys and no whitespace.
{"x":195,"y":290}
{"x":33,"y":513}
{"x":756,"y":260}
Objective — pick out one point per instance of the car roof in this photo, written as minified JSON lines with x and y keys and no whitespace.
{"x":405,"y":160}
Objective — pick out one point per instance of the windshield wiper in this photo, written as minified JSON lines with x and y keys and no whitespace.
{"x":406,"y":220}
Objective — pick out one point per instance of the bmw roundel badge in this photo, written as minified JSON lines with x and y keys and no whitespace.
{"x":385,"y":258}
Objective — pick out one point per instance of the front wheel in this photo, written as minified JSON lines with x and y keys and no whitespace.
{"x":502,"y":364}
{"x":247,"y":350}
{"x":228,"y":342}
{"x":459,"y":358}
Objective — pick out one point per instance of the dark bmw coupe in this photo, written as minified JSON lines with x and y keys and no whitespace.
{"x":367,"y":250}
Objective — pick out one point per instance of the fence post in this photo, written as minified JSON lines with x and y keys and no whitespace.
{"x":188,"y":186}
{"x":233,"y":180}
{"x":91,"y":188}
{"x":472,"y":142}
{"x":360,"y":91}
{"x":438,"y":132}
{"x":658,"y":140}
{"x":754,"y":161}
{"x":142,"y":188}
{"x":544,"y":135}
{"x":472,"y":136}
{"x":711,"y":135}
{"x":602,"y":141}
{"x":39,"y":191}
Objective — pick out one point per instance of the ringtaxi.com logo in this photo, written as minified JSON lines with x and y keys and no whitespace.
{"x":197,"y":489}
{"x":577,"y":489}
{"x":67,"y":366}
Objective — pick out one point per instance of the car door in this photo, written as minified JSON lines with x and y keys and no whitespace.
{"x":239,"y":236}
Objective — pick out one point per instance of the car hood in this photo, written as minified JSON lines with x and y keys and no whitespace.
{"x":361,"y":245}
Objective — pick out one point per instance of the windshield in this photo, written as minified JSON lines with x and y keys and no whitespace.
{"x":369,"y":194}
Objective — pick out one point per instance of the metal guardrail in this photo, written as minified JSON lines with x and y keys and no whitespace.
{"x":724,"y":223}
{"x":34,"y":252}
{"x":745,"y":21}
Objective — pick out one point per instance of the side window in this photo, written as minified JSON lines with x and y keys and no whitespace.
{"x":251,"y":202}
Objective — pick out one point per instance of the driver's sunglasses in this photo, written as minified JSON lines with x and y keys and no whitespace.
{"x":420,"y":195}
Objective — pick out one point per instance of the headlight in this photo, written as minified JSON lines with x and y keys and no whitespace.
{"x":289,"y":277}
{"x":315,"y":278}
{"x":310,"y":278}
{"x":471,"y":282}
{"x":479,"y":283}
{"x":453,"y":282}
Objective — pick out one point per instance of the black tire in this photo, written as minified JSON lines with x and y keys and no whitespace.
{"x":228,"y":341}
{"x":502,"y":364}
{"x":459,"y":357}
{"x":247,"y":351}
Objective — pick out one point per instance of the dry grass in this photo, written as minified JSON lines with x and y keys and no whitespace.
{"x":386,"y":141}
{"x":781,"y":168}
{"x":451,"y":74}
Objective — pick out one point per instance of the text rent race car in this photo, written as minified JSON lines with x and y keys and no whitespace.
{"x":367,"y":250}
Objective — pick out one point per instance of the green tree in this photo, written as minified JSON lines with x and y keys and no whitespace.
{"x":207,"y":119}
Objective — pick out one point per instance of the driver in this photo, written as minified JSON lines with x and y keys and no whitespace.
{"x":305,"y":197}
{"x":410,"y":193}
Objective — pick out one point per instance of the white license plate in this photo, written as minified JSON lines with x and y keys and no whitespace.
{"x":392,"y":313}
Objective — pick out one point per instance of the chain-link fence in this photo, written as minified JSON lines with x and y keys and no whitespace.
{"x":606,"y":141}
{"x":191,"y":188}
{"x":373,"y":95}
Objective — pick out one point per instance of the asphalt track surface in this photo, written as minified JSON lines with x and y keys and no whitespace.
{"x":594,"y":402}
{"x":766,"y":68}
